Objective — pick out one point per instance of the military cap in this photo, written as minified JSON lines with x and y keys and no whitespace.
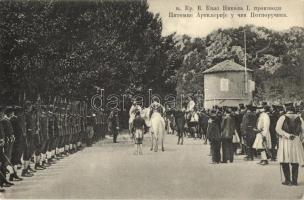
{"x":277,"y":107}
{"x":266,"y":108}
{"x":9,"y":109}
{"x":234,"y":109}
{"x":27,"y":103}
{"x":251,"y":107}
{"x":241,"y":106}
{"x":259,"y":107}
{"x":2,"y":108}
{"x":289,"y":106}
{"x":228,"y":110}
{"x":17,"y":108}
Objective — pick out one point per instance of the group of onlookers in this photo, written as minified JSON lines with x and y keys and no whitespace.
{"x":272,"y":132}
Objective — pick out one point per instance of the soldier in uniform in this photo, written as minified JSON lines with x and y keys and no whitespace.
{"x":3,"y":160}
{"x":37,"y":135}
{"x":57,"y":133}
{"x":91,"y":121}
{"x":249,"y":122}
{"x":44,"y":137}
{"x":51,"y":133}
{"x":239,"y":118}
{"x":27,"y":142}
{"x":9,"y":139}
{"x":114,"y":124}
{"x":18,"y":125}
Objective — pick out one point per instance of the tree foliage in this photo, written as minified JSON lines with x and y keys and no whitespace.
{"x":275,"y":57}
{"x":67,"y":47}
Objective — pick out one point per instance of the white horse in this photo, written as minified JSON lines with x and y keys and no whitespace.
{"x":145,"y":114}
{"x":158,"y":130}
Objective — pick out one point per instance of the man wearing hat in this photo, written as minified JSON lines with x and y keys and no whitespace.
{"x":290,"y":151}
{"x":248,"y":126}
{"x":274,"y":116}
{"x":263,"y":140}
{"x":139,"y":127}
{"x":214,"y":136}
{"x":227,"y":132}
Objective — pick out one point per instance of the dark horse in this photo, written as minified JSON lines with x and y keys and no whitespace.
{"x":203,"y":123}
{"x":180,"y":121}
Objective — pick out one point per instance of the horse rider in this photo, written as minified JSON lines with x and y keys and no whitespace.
{"x":190,"y":107}
{"x":156,"y":107}
{"x":193,"y":122}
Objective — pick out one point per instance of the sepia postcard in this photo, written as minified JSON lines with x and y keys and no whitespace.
{"x":152,"y":99}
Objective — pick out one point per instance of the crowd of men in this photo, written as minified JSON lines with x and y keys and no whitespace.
{"x":272,"y":132}
{"x":34,"y":137}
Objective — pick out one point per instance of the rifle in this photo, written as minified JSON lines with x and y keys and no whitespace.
{"x":38,"y":117}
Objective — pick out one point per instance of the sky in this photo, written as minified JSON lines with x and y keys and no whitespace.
{"x":200,"y":27}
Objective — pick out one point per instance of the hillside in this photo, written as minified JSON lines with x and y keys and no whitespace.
{"x":275,"y":57}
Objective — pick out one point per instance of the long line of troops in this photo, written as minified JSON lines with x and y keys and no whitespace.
{"x":42,"y":134}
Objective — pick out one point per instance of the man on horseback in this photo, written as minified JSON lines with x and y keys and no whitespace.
{"x":189,"y":112}
{"x":193,"y":123}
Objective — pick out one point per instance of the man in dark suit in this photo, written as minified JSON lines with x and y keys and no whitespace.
{"x":248,"y":130}
{"x":227,"y":132}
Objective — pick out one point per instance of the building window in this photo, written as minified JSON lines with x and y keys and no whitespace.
{"x":224,"y":85}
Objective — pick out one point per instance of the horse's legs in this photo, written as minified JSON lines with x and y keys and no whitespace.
{"x":152,"y":140}
{"x":163,"y":148}
{"x":156,"y":145}
{"x":182,"y":137}
{"x":178,"y":137}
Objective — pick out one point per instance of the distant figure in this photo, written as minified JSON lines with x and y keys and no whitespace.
{"x":263,"y":140}
{"x":228,"y":130}
{"x":248,"y":127}
{"x":214,"y":137}
{"x":113,"y":125}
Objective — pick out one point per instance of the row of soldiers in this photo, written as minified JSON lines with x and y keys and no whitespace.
{"x":42,"y":134}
